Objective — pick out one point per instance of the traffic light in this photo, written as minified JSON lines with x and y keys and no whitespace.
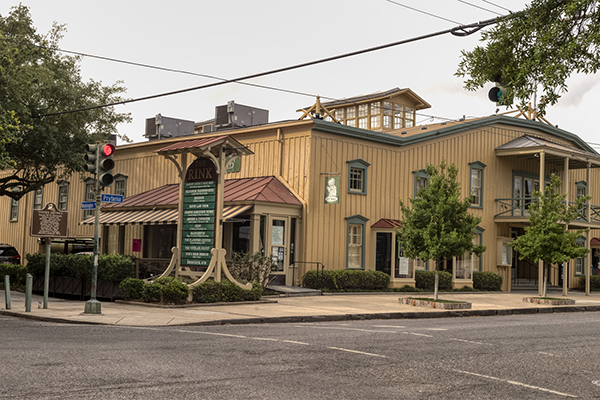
{"x":105,"y":164}
{"x":91,"y":155}
{"x":498,"y":94}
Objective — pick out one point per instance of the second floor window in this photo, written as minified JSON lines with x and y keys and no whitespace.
{"x":38,"y":198}
{"x":63,"y":196}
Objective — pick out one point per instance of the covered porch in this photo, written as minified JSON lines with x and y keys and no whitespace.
{"x":536,"y":159}
{"x":259,"y":215}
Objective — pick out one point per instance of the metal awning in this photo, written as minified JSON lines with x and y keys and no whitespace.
{"x":233,"y":211}
{"x":164,"y":216}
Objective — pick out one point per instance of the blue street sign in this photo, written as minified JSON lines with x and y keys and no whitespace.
{"x":88,"y":205}
{"x":112,"y":198}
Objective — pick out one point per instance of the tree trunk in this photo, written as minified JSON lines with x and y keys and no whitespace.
{"x":545,"y":280}
{"x":435,"y":285}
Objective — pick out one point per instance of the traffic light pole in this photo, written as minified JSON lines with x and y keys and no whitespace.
{"x":93,"y":306}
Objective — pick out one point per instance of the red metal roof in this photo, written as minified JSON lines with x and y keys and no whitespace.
{"x":268,"y":189}
{"x":595,"y":242}
{"x":190,"y":144}
{"x":387,"y":223}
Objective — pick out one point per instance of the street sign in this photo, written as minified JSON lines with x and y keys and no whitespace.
{"x":88,"y":205}
{"x":112,"y":198}
{"x":49,"y":222}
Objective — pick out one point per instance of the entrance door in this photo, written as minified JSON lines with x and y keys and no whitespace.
{"x":279,"y":243}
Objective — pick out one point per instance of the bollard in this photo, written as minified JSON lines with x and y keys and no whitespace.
{"x":28,"y":290}
{"x":7,"y":291}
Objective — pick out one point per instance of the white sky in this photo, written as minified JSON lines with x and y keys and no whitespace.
{"x":234,"y":38}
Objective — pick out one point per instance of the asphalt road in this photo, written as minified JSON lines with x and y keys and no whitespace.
{"x":551,"y":356}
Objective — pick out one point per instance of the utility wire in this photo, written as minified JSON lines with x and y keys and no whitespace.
{"x":423,"y":12}
{"x":494,"y":4}
{"x":481,"y":8}
{"x":462,"y":30}
{"x":160,"y":68}
{"x":191,"y":73}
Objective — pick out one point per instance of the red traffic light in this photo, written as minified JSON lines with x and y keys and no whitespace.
{"x":108,"y":150}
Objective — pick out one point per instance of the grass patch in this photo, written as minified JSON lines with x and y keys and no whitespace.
{"x":549,"y":298}
{"x":435,"y":301}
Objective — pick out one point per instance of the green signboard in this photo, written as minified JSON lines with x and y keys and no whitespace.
{"x":199,"y":210}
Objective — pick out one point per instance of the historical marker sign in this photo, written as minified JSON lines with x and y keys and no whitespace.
{"x":199,"y":212}
{"x":49,"y":222}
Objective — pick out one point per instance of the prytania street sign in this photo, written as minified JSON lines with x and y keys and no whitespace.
{"x":199,"y":209}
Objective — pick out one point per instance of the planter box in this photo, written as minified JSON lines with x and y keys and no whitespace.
{"x":537,"y":300}
{"x":81,"y":288}
{"x":435,"y":304}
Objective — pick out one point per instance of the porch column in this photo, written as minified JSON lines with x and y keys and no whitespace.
{"x":566,"y":191}
{"x":588,"y":260}
{"x":542,"y":188}
{"x":182,"y":171}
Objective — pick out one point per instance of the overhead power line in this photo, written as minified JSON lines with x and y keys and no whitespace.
{"x":494,"y":4}
{"x":193,"y":73}
{"x":481,"y":8}
{"x":136,"y":64}
{"x":462,"y":30}
{"x":423,"y":12}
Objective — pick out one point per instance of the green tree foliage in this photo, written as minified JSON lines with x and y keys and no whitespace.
{"x":547,"y":237}
{"x":37,"y":80}
{"x":536,"y":50}
{"x":438,"y":225}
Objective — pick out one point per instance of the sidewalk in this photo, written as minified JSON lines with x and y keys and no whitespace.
{"x":334,"y":307}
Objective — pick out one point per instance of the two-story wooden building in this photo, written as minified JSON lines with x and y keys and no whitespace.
{"x":325,"y":190}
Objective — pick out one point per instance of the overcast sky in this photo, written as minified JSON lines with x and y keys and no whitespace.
{"x":234,"y":38}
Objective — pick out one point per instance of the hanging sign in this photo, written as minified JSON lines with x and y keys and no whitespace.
{"x":332,"y":190}
{"x":199,"y":211}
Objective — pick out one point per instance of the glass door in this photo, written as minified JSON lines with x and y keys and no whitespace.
{"x":279,"y":247}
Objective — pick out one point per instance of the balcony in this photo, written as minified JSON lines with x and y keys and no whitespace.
{"x":516,"y":210}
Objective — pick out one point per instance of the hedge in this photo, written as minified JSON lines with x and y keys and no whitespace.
{"x":426,"y":280}
{"x":487,"y":281}
{"x":347,"y":279}
{"x":225,"y":291}
{"x":17,"y":273}
{"x":594,"y":282}
{"x":111,"y":267}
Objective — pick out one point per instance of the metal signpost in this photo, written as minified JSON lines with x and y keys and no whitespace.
{"x":49,"y":223}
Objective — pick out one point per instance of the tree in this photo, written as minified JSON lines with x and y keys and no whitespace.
{"x":438,"y":226}
{"x":547,"y":237}
{"x":36,"y":81}
{"x":537,"y":49}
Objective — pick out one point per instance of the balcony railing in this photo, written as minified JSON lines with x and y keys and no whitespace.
{"x":518,"y":207}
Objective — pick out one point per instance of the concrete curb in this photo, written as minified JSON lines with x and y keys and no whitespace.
{"x":233,"y":303}
{"x":339,"y":317}
{"x":49,"y":319}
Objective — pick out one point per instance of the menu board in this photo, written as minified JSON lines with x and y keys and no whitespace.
{"x":199,"y":211}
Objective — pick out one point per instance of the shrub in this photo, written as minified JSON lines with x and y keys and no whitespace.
{"x":151,"y":293}
{"x":132,"y":288}
{"x":111,"y":267}
{"x":346,"y":279}
{"x":487,"y":281}
{"x":426,"y":280}
{"x":251,"y":267}
{"x":17,"y":273}
{"x":173,"y":291}
{"x":594,"y":282}
{"x":225,"y":291}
